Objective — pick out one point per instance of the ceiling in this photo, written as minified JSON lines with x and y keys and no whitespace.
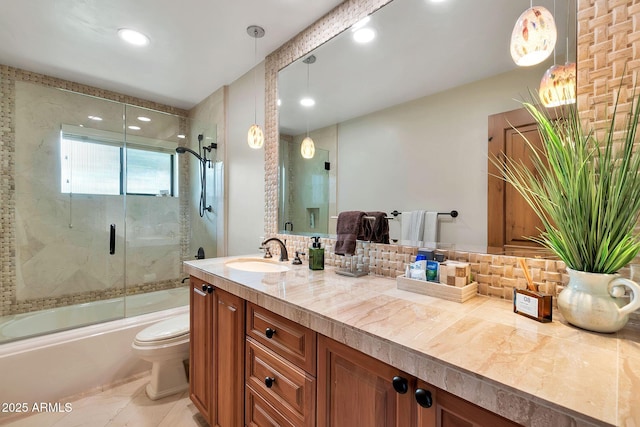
{"x":197,"y":46}
{"x":421,"y":48}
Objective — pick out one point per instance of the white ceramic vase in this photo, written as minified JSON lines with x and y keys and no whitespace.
{"x":593,"y":301}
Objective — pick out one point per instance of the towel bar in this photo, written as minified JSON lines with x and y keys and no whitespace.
{"x":453,"y":213}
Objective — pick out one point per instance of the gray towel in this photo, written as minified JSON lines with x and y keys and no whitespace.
{"x":350,"y":227}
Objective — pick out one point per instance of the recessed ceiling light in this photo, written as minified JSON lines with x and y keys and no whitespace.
{"x":134,"y":127}
{"x":181,"y":136}
{"x":144,"y":119}
{"x":364,"y":35}
{"x":132,"y":36}
{"x":307,"y":102}
{"x":96,"y":118}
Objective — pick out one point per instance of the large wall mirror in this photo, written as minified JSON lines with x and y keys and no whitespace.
{"x":401,"y":122}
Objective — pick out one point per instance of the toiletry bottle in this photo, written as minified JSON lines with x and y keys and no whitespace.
{"x":316,"y":254}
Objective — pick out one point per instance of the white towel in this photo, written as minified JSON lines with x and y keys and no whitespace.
{"x":412,"y":227}
{"x":430,"y":231}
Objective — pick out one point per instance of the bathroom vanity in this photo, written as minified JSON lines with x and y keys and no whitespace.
{"x":312,"y":348}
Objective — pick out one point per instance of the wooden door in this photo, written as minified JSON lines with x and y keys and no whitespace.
{"x":228,"y":374}
{"x":510,"y":219}
{"x":200,"y":347}
{"x":452,"y":411}
{"x":356,"y":390}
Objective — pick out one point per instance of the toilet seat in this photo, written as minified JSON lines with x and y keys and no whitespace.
{"x":165,"y":332}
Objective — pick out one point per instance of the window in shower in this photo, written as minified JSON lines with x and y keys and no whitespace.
{"x":96,"y":166}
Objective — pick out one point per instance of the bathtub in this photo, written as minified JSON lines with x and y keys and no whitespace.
{"x":58,"y":319}
{"x":60,"y":365}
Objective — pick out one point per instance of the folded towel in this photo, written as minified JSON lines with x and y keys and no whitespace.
{"x":349,"y":228}
{"x":430,"y":234}
{"x":413,"y":227}
{"x":379,"y":227}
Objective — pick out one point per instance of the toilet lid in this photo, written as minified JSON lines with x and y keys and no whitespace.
{"x":166,"y":329}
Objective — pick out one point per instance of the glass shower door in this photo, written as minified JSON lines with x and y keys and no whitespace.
{"x":67,"y":202}
{"x":153,"y":220}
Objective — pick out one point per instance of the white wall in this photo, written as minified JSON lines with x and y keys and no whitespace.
{"x":244,"y":166}
{"x":431,"y":154}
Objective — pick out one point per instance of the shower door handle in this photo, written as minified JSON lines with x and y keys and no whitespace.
{"x":112,"y":239}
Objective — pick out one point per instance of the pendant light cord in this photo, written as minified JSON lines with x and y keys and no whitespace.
{"x":255,"y":60}
{"x":308,"y":68}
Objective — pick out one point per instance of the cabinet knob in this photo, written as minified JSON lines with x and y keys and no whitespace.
{"x":401,"y":385}
{"x":268,"y":381}
{"x":423,"y":397}
{"x":204,"y":288}
{"x":210,"y":289}
{"x":269,"y":332}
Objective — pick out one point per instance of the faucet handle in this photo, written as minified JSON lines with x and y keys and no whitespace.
{"x":297,"y":260}
{"x":267,"y":252}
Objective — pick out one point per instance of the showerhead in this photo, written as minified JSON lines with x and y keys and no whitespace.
{"x":182,"y":150}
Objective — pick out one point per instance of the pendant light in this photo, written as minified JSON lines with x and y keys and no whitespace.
{"x":533,"y":37}
{"x":255,"y":136}
{"x":308,"y":148}
{"x":558,"y":84}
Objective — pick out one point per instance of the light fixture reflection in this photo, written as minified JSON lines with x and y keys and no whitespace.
{"x":558,"y":85}
{"x":364,"y":35}
{"x":534,"y":37}
{"x":132,"y":127}
{"x":307,"y":148}
{"x":133,"y":37}
{"x":144,"y":119}
{"x":307,"y":102}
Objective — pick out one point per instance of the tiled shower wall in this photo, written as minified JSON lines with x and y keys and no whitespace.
{"x":608,"y":54}
{"x":9,"y":303}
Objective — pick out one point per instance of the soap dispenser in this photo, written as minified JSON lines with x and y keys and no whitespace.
{"x":316,"y":254}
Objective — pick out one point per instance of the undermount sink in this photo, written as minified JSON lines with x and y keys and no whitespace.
{"x":258,"y":265}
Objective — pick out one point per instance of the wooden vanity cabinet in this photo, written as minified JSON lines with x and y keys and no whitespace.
{"x":356,"y":389}
{"x":216,"y":368}
{"x":452,"y":411}
{"x":280,"y":371}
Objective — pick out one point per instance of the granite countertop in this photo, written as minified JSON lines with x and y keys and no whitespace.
{"x":538,"y":374}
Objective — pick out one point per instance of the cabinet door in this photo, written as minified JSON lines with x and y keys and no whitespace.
{"x":228,"y":375}
{"x":357,"y":390}
{"x":452,"y":411}
{"x":200,"y":346}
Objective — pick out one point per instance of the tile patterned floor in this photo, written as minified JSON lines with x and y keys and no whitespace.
{"x":124,"y":405}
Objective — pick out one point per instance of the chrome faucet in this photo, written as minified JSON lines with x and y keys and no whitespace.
{"x":284,"y":255}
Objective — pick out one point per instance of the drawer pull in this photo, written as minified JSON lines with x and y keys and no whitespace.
{"x":401,"y":385}
{"x":269,"y":332}
{"x":423,"y":397}
{"x":199,"y":292}
{"x":268,"y":381}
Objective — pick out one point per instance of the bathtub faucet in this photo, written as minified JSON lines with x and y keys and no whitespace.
{"x":284,"y":256}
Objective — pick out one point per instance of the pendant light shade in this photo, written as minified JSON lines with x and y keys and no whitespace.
{"x":255,"y":137}
{"x":558,"y":85}
{"x":307,"y":148}
{"x":534,"y":37}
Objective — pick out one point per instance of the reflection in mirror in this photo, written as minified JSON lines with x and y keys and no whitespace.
{"x":404,"y":116}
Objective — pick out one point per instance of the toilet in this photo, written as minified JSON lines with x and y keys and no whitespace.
{"x":166,"y":345}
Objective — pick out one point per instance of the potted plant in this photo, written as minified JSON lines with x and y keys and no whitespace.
{"x":586,"y":190}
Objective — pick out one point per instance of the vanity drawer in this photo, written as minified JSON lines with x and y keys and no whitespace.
{"x":288,"y":339}
{"x":289,"y":389}
{"x":258,"y":412}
